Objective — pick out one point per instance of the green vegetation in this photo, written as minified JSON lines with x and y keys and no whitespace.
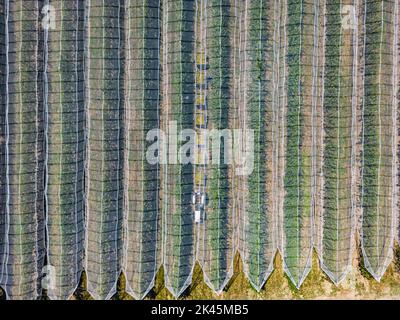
{"x":3,"y":134}
{"x":218,"y":224}
{"x":75,"y":117}
{"x":297,"y":180}
{"x":337,"y":145}
{"x":259,"y":247}
{"x":65,"y":148}
{"x":377,"y":138}
{"x":178,"y":187}
{"x":25,"y":158}
{"x":105,"y":152}
{"x":142,"y":21}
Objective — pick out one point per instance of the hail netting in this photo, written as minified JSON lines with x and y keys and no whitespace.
{"x":396,"y":91}
{"x":142,"y":21}
{"x":23,"y":252}
{"x":214,"y":110}
{"x":104,"y":190}
{"x":177,"y":179}
{"x":379,"y":131}
{"x":297,"y":122}
{"x":334,"y":199}
{"x":64,"y":107}
{"x":318,"y":88}
{"x":3,"y":134}
{"x":258,"y":112}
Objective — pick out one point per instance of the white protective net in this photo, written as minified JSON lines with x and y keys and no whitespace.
{"x":65,"y":144}
{"x":104,"y":169}
{"x":143,"y":30}
{"x":296,"y":127}
{"x":259,"y":111}
{"x":3,"y":135}
{"x":177,"y":180}
{"x":23,"y":222}
{"x":334,"y":198}
{"x":214,"y":103}
{"x":379,"y":133}
{"x":316,"y":80}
